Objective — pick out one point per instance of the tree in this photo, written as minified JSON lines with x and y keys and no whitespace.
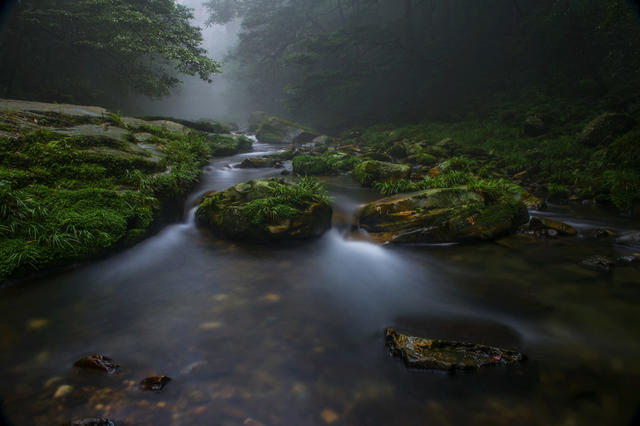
{"x":93,"y":50}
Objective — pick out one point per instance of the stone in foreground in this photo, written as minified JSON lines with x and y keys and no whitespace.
{"x":418,"y":352}
{"x":97,"y":362}
{"x":265,"y":210}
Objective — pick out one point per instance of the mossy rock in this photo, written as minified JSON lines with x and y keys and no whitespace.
{"x":277,"y":130}
{"x":371,"y":171}
{"x":437,"y":215}
{"x":265,"y":210}
{"x":329,"y":163}
{"x":226,"y":145}
{"x":604,"y":128}
{"x":419,"y":352}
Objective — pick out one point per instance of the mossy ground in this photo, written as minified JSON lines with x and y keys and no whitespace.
{"x":68,"y":198}
{"x":554,"y":164}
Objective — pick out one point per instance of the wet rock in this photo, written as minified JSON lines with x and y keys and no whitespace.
{"x":279,"y":130}
{"x":605,"y":127}
{"x":418,"y":352}
{"x":398,"y":150}
{"x":97,"y":362}
{"x":96,"y":421}
{"x":630,"y":260}
{"x":369,"y":172}
{"x":155,"y":383}
{"x":631,"y":239}
{"x":441,"y":215}
{"x":533,"y":202}
{"x":259,"y":162}
{"x":378,"y":156}
{"x":265,"y":210}
{"x":603,"y":233}
{"x":598,"y":263}
{"x":63,"y":391}
{"x":560,"y":227}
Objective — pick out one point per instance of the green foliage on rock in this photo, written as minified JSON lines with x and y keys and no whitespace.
{"x":370,"y":171}
{"x":65,"y":198}
{"x":268,"y":210}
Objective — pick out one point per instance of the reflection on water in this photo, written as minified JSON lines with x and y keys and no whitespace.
{"x":292,"y":334}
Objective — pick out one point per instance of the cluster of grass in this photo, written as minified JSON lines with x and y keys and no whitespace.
{"x":326,"y":164}
{"x":67,"y":198}
{"x":285,"y":201}
{"x":491,"y":189}
{"x":270,"y":202}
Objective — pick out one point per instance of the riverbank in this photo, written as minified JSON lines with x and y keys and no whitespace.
{"x":79,"y":182}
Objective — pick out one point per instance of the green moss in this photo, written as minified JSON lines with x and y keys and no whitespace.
{"x":369,"y":172}
{"x":68,"y":198}
{"x":325,"y":164}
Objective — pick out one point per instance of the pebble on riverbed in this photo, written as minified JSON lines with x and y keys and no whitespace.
{"x":598,"y":263}
{"x":97,"y":362}
{"x":155,"y":383}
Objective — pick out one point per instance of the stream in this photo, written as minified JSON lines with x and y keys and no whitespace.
{"x":292,"y":334}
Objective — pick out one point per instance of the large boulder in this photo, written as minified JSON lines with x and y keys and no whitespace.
{"x":372,"y":171}
{"x":278,"y":130}
{"x":418,"y":352}
{"x":442,"y":215}
{"x":605,"y":127}
{"x":265,"y":210}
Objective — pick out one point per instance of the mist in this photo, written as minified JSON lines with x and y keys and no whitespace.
{"x":197,"y":99}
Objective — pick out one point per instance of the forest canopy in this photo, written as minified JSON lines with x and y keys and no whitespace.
{"x":98,"y":50}
{"x":359,"y":61}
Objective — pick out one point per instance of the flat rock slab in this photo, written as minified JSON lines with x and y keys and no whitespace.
{"x":74,"y":110}
{"x":418,"y":352}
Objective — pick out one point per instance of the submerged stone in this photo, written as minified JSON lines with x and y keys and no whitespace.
{"x":97,"y":362}
{"x":418,"y":352}
{"x":155,"y":383}
{"x":598,"y":263}
{"x":96,"y":421}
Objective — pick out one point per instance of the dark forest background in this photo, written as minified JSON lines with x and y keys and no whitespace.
{"x":331,"y":63}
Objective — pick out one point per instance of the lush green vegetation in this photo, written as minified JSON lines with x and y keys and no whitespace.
{"x":66,"y":198}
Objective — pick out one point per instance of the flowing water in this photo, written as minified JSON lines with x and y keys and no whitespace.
{"x":293,"y":334}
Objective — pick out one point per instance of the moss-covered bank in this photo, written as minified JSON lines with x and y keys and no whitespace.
{"x":76,"y":186}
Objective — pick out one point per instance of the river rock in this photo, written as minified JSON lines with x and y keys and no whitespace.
{"x":535,"y":125}
{"x":630,"y":260}
{"x":544,"y":222}
{"x":605,"y":127}
{"x":96,"y":421}
{"x":155,"y":383}
{"x":279,"y":130}
{"x":371,"y":171}
{"x":264,"y":210}
{"x":631,"y":239}
{"x":259,"y":163}
{"x":598,"y":263}
{"x":418,"y":352}
{"x":441,"y":215}
{"x":97,"y":362}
